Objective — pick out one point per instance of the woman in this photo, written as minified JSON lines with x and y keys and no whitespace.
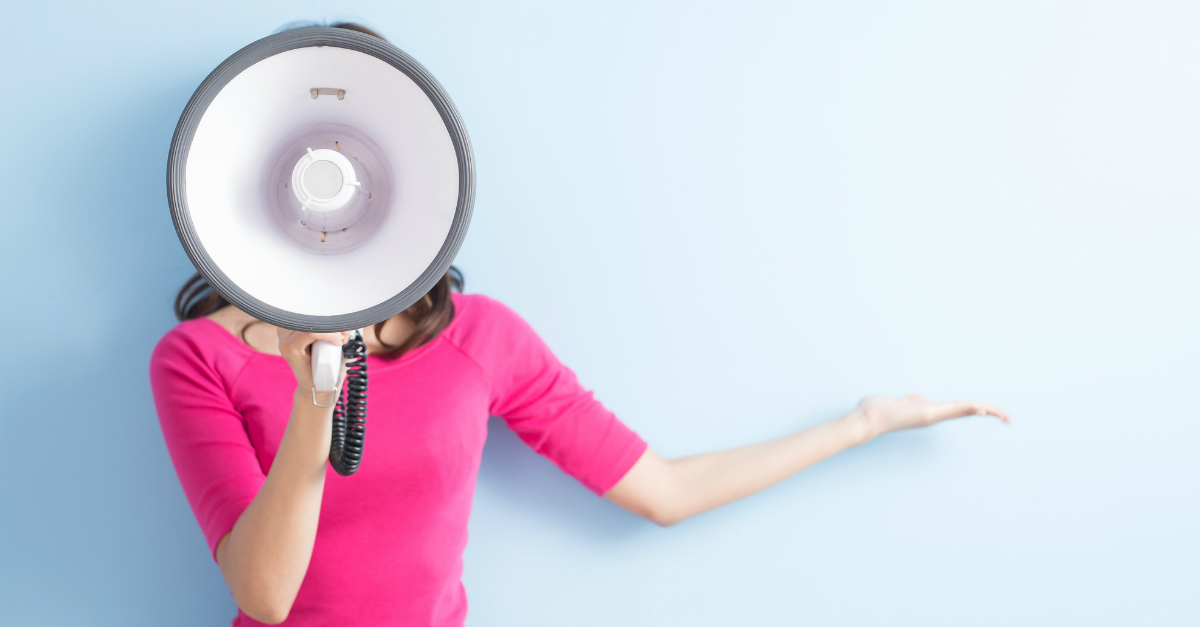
{"x":298,"y":543}
{"x":388,"y":547}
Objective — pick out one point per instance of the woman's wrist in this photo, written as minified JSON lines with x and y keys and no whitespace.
{"x":307,"y":437}
{"x":859,"y":427}
{"x":310,"y":399}
{"x":324,"y":400}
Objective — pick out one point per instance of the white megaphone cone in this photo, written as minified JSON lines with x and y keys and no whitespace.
{"x":321,"y":180}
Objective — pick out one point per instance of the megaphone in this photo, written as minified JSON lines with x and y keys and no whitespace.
{"x":321,"y":180}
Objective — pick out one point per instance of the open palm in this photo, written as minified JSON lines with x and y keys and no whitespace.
{"x":884,"y":413}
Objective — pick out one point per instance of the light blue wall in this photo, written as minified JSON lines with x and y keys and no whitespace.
{"x":733,"y":220}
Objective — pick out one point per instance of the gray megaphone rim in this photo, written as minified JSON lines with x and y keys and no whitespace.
{"x":268,"y":47}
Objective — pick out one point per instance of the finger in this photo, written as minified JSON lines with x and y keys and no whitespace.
{"x":995,"y":411}
{"x":915,"y":397}
{"x":948,"y":411}
{"x":337,"y":339}
{"x":983,"y":409}
{"x":304,"y":341}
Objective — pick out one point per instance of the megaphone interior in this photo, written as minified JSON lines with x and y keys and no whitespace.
{"x":321,"y":180}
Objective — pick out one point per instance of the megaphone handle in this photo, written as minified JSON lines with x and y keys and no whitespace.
{"x":326,"y":364}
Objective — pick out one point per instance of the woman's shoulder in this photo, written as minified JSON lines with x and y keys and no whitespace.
{"x":478,"y":306}
{"x":199,"y":344}
{"x":474,"y":312}
{"x":198,"y":333}
{"x":482,"y":323}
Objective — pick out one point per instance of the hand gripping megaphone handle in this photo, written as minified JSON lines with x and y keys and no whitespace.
{"x":350,"y":412}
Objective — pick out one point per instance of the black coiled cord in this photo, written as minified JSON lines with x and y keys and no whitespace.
{"x":350,"y":415}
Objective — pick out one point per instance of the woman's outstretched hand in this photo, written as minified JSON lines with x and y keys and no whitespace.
{"x":884,"y":414}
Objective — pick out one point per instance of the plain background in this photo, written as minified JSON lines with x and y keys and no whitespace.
{"x":732,"y":220}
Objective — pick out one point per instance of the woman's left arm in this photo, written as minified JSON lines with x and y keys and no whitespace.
{"x":667,"y":491}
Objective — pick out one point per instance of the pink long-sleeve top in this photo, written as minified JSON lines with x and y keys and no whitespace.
{"x":390,"y":538}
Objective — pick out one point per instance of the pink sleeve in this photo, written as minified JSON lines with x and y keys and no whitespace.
{"x":544,"y":403}
{"x":205,"y":434}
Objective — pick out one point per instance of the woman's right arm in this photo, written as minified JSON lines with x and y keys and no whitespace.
{"x":667,"y":491}
{"x":265,"y":557}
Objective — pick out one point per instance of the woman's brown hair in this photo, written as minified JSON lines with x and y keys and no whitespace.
{"x":430,"y":315}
